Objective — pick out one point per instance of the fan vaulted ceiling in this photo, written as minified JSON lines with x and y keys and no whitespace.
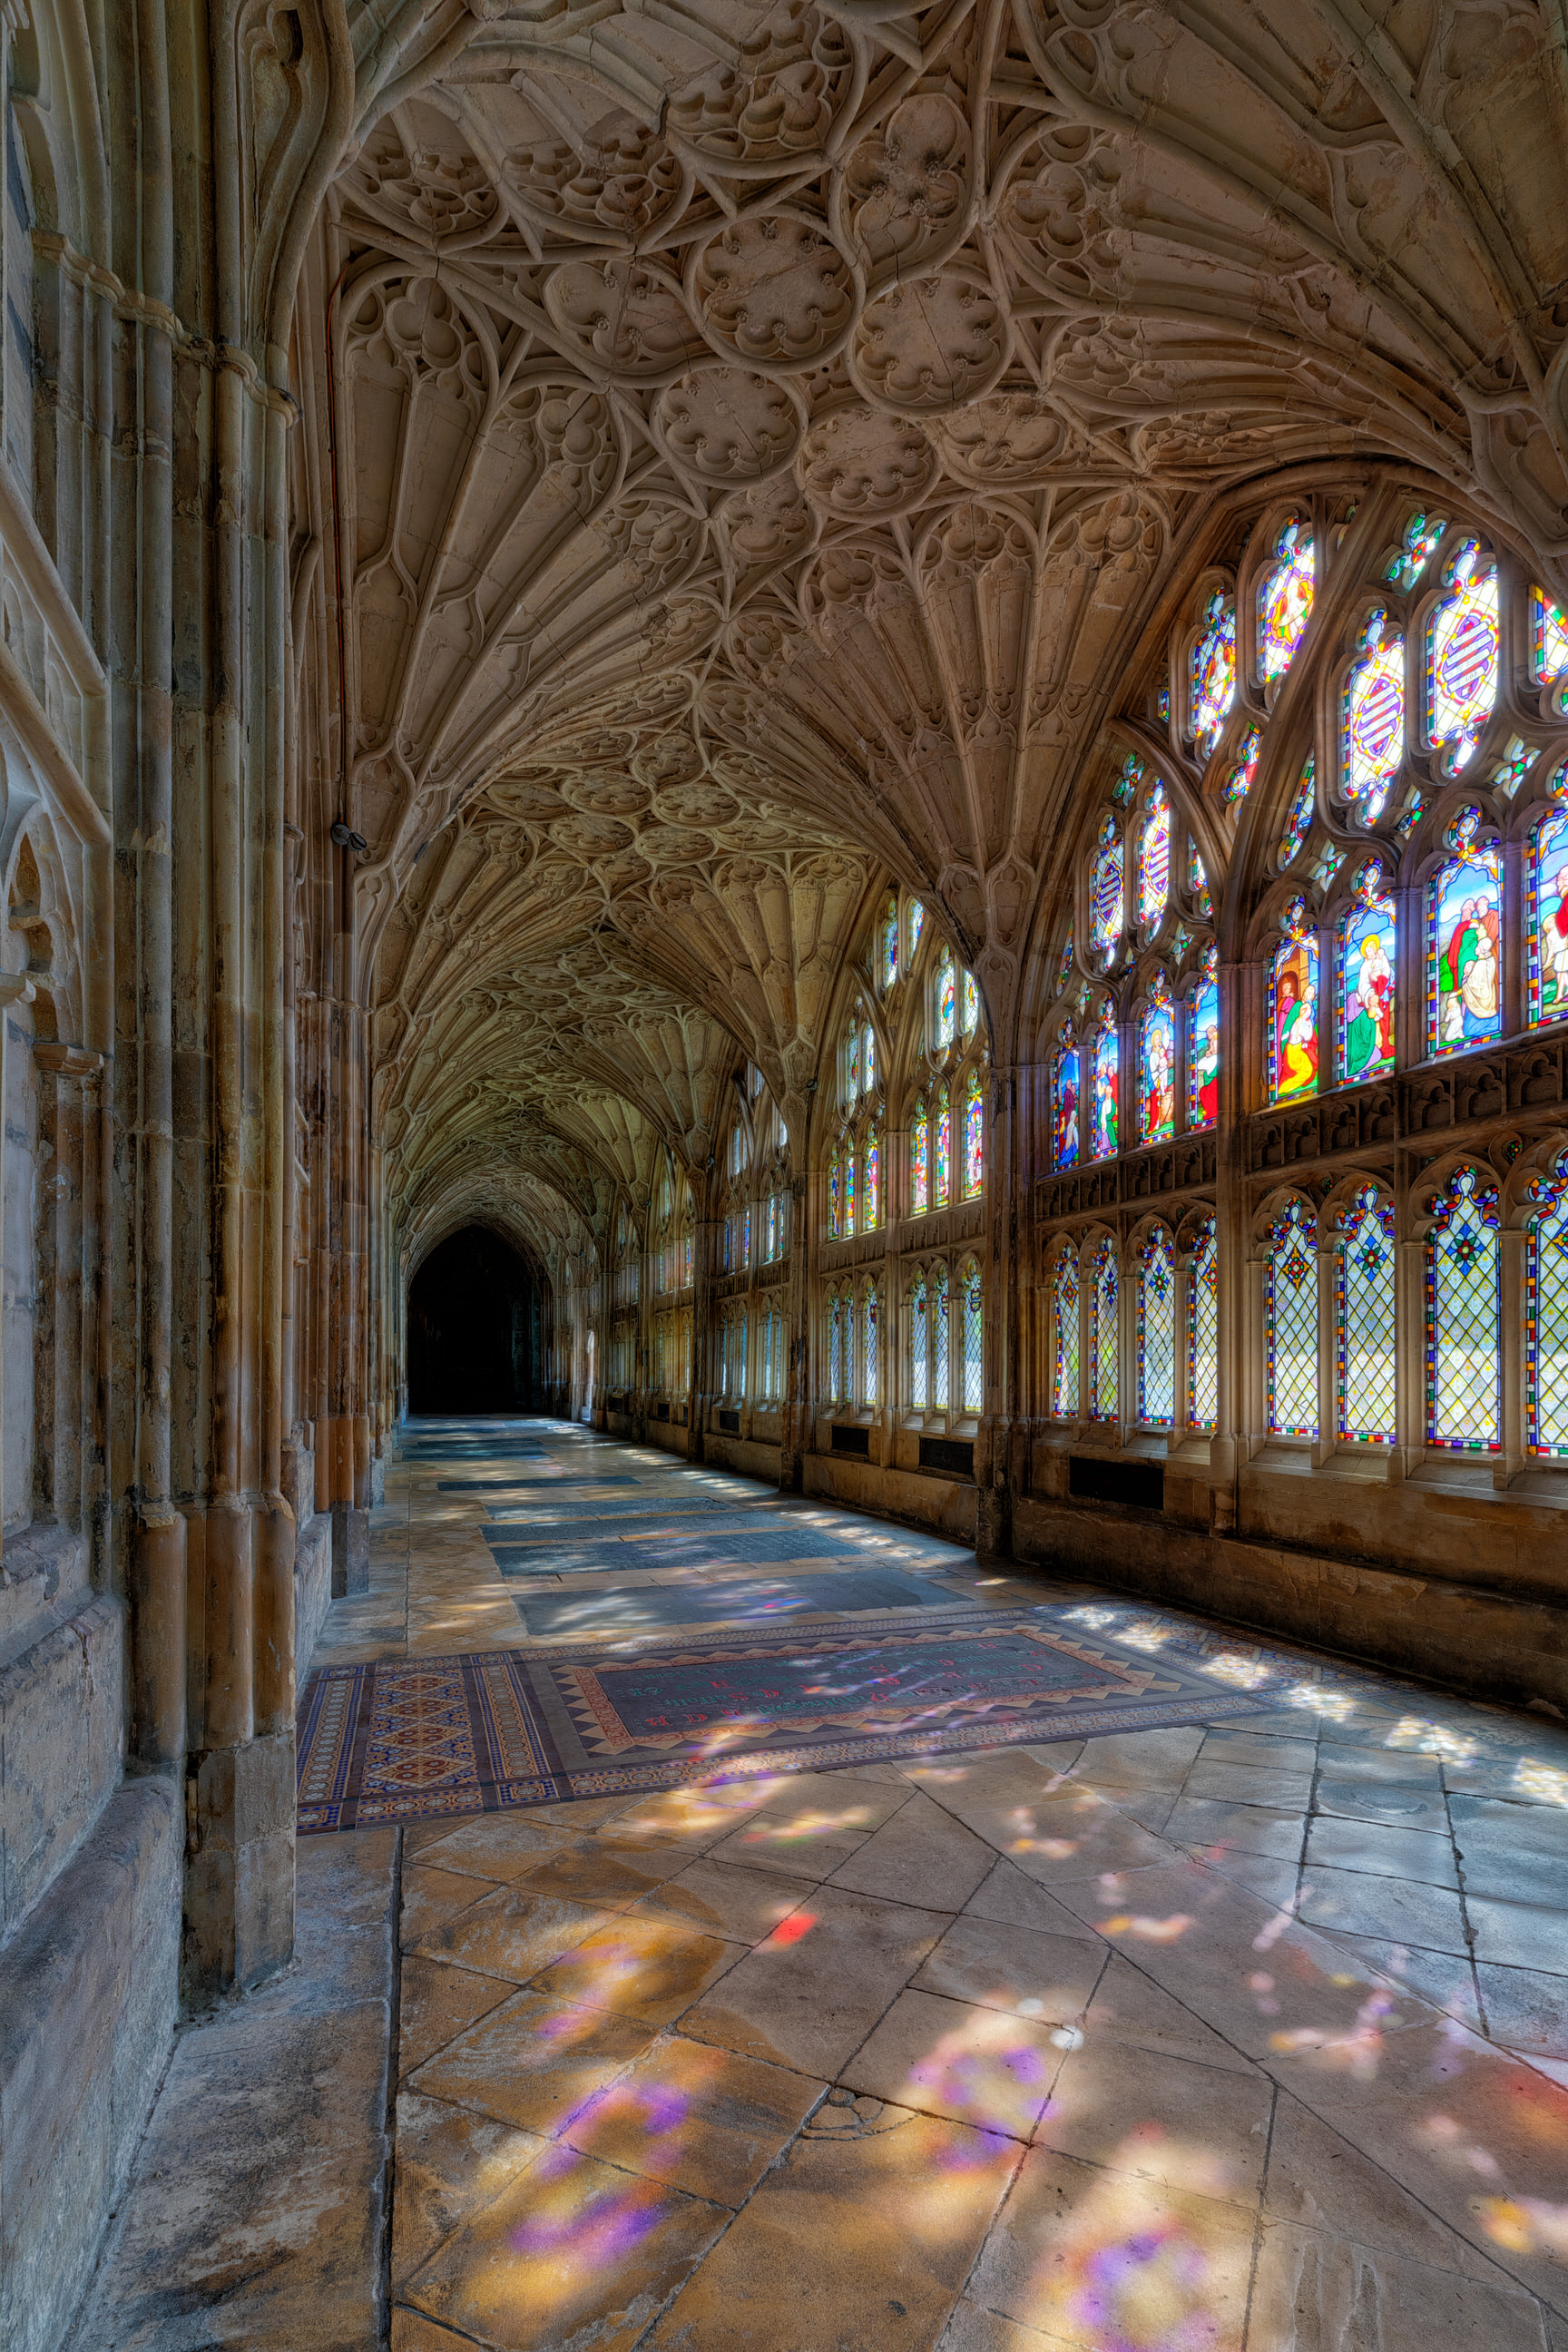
{"x":763,"y":430}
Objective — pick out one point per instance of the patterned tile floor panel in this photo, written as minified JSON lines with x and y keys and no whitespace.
{"x":1243,"y":2034}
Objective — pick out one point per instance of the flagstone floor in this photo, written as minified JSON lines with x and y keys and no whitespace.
{"x":1184,"y":2041}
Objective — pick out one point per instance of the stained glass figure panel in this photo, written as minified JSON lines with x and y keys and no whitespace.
{"x":974,"y":1353}
{"x":1548,"y":637}
{"x":1367,"y":963}
{"x":1462,"y":655}
{"x":1463,"y":1334}
{"x":1157,"y":1066}
{"x":1365,"y":1325}
{"x":1212,"y":674}
{"x":1546,"y":1328}
{"x":920,"y":1343}
{"x":1372,"y":745}
{"x":1285,"y":599}
{"x":1064,"y":1105}
{"x":1157,"y":1330}
{"x":1064,"y":1349}
{"x":973,"y":1136}
{"x":1203,"y":1045}
{"x":1108,"y":909}
{"x":941,"y":1151}
{"x":1105,"y":1082}
{"x":1464,"y":943}
{"x":1293,"y":1009}
{"x":1203,"y":1329}
{"x":1103,"y":1302}
{"x":1291,"y":1311}
{"x":1154,"y":859}
{"x":1547,"y":917}
{"x":946,"y":999}
{"x":919,"y":1161}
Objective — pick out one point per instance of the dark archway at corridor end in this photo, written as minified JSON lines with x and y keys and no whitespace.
{"x":478,"y":1317}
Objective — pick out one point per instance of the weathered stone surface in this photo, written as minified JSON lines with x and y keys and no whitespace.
{"x":62,"y":1743}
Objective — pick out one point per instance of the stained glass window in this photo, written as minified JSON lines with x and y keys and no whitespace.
{"x":1107,"y":901}
{"x":1365,"y":1322}
{"x":1105,"y":1084}
{"x":1128,"y":781}
{"x":1064,"y":1357}
{"x":746,"y":1236}
{"x":1546,"y":1325}
{"x":917,"y":923}
{"x":852,"y":1064}
{"x":1464,"y":942}
{"x":939,"y":1338}
{"x":1064,"y":969}
{"x":1239,"y":783}
{"x":946,"y":999}
{"x":871,"y":1199}
{"x":920,"y":1342}
{"x":1462,"y":653}
{"x":1212,"y":675}
{"x":973,"y":1356}
{"x":1163,"y":705}
{"x":1064,"y":1102}
{"x":1546,"y":890}
{"x":971,"y":1004}
{"x":686,"y":1263}
{"x":1548,"y":637}
{"x":867,"y":1059}
{"x":1202,"y":1329}
{"x":887,"y":945}
{"x":1293,"y":1008}
{"x":1292,"y":1324}
{"x":834,"y":1196}
{"x":869,"y":1310}
{"x":1157,"y":1066}
{"x":1203,"y":1044}
{"x":1104,"y":1398}
{"x":974,"y":1136}
{"x":919,"y":1161}
{"x":849,"y":1191}
{"x":839,"y":1346}
{"x":1463,"y":1358}
{"x":1371,"y":744}
{"x":1285,"y":599}
{"x":941,"y":1151}
{"x":1198,"y":882}
{"x":1422,"y":535}
{"x":1367,"y":962}
{"x":1157,"y":1330}
{"x":1155,"y":858}
{"x":1303,"y":806}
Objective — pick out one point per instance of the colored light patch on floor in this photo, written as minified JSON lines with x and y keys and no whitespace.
{"x":752,"y":1599}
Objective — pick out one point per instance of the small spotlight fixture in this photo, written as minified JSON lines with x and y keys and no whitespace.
{"x":345,"y":839}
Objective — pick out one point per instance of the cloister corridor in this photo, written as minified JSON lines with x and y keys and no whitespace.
{"x":1248,"y":2029}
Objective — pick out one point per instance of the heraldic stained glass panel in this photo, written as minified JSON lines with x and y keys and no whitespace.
{"x":973,"y":1336}
{"x":1155,"y":858}
{"x":1285,"y":598}
{"x":1157,"y":1330}
{"x":1064,"y":1358}
{"x":1108,"y":909}
{"x":1203,"y":1329}
{"x":1103,"y":1301}
{"x":1064,"y":1105}
{"x":1463,"y":1336}
{"x":1293,"y":1008}
{"x":1464,"y":942}
{"x":920,"y":1342}
{"x":941,"y":1151}
{"x":1548,"y":637}
{"x":1547,"y":916}
{"x":1367,"y":965}
{"x":1291,"y":1285}
{"x":1203,"y":1044}
{"x":946,"y":999}
{"x":919,"y":1161}
{"x":1157,"y":1066}
{"x":1462,"y":655}
{"x":1365,"y":1323}
{"x":1371,"y":749}
{"x":1212,"y":677}
{"x":1105,"y":1082}
{"x":1546,"y":1327}
{"x":974,"y":1136}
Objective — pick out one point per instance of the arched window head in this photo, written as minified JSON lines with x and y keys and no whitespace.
{"x":945,"y":1025}
{"x":1291,"y":1320}
{"x":1421,"y":539}
{"x":1154,"y":859}
{"x":1212,"y":671}
{"x":1546,"y":1321}
{"x":1462,"y":644}
{"x":887,"y":945}
{"x":972,"y":1162}
{"x":969,"y":1006}
{"x":1546,"y":873}
{"x":1463,"y":1333}
{"x":1372,"y":718}
{"x":1367,"y":960}
{"x":1203,"y":1043}
{"x":1548,"y":638}
{"x":1065,"y":1338}
{"x":1285,"y":599}
{"x":1105,"y":1085}
{"x":920,"y":1160}
{"x":1064,"y":1101}
{"x":1464,"y":941}
{"x":1293,"y":1007}
{"x":941,"y":1149}
{"x":1157,"y":1330}
{"x":1364,"y":1320}
{"x":1157,"y":1066}
{"x":1107,"y":910}
{"x":1123,"y":792}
